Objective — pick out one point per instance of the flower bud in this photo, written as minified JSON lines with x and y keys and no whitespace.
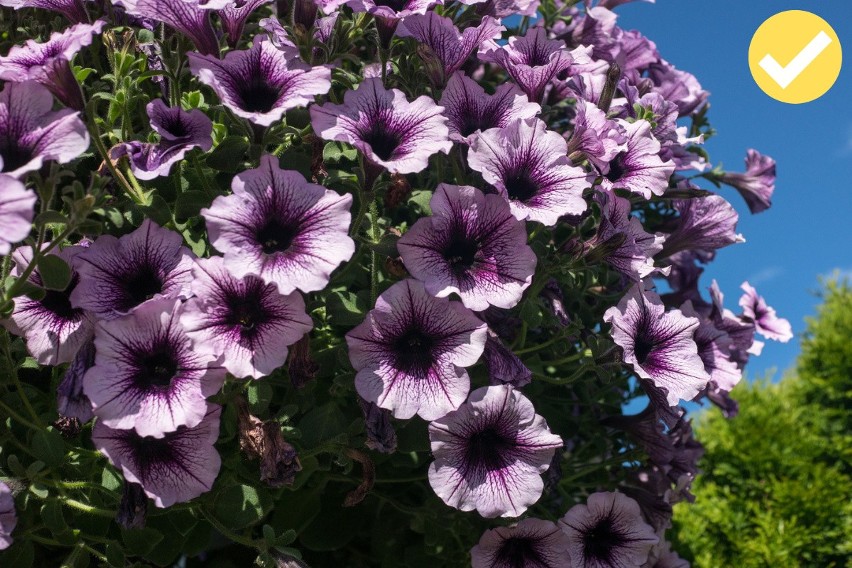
{"x":380,"y":433}
{"x":301,"y":366}
{"x":133,"y":507}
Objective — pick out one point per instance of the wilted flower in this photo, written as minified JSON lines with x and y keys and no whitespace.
{"x":410,"y":352}
{"x":471,"y":246}
{"x":147,"y":376}
{"x":32,"y":134}
{"x":529,"y":167}
{"x":390,"y":131}
{"x":504,"y":367}
{"x":16,"y":212}
{"x":607,"y":531}
{"x":380,"y":433}
{"x":302,"y":367}
{"x":532,"y":543}
{"x":281,"y":228}
{"x":176,"y":468}
{"x":279,"y":462}
{"x":53,"y":329}
{"x":189,"y":17}
{"x":261,"y":83}
{"x":638,"y":168}
{"x":8,"y":516}
{"x":659,"y":345}
{"x":757,"y":184}
{"x":767,"y":323}
{"x":245,"y":322}
{"x":470,"y":110}
{"x":133,"y":508}
{"x":705,"y":224}
{"x":71,"y":402}
{"x":118,"y":276}
{"x":490,"y":453}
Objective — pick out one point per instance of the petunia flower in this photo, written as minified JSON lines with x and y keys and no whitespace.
{"x":388,"y":13}
{"x":705,"y":224}
{"x":48,"y":63}
{"x":471,"y":246}
{"x":678,"y":86}
{"x":532,"y":543}
{"x":659,"y":345}
{"x":595,"y":136}
{"x":146,"y":375}
{"x":533,"y":60}
{"x":384,"y":126}
{"x":246,"y":322}
{"x":180,"y":131}
{"x":261,"y":83}
{"x":73,"y":10}
{"x":8,"y":516}
{"x":71,"y":401}
{"x":766,"y":322}
{"x":757,"y":184}
{"x":118,"y":275}
{"x":188,"y":17}
{"x":32,"y":134}
{"x":470,"y":110}
{"x":234,"y":17}
{"x":16,"y":212}
{"x":53,"y":329}
{"x":490,"y":453}
{"x":714,"y":348}
{"x":176,"y":468}
{"x":607,"y":531}
{"x":411,"y":350}
{"x":529,"y":167}
{"x":281,"y":228}
{"x":638,"y":168}
{"x":504,"y":367}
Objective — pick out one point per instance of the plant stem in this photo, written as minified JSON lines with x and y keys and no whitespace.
{"x":135,"y":193}
{"x":17,"y":417}
{"x":228,"y":533}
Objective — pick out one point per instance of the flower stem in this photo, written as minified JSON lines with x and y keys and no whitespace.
{"x":228,"y":533}
{"x":135,"y":193}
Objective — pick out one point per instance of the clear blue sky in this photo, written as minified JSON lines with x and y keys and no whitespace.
{"x":808,"y":230}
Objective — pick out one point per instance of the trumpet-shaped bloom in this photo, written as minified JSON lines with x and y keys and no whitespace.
{"x":532,"y":543}
{"x":281,"y":228}
{"x":638,"y":168}
{"x":384,"y":126}
{"x":471,"y":246}
{"x":504,"y":367}
{"x":597,"y":137}
{"x":634,"y":255}
{"x":757,"y":183}
{"x":705,"y":224}
{"x":491,"y":452}
{"x":189,"y":17}
{"x":246,"y":321}
{"x":411,"y":350}
{"x":16,"y":212}
{"x":766,"y":322}
{"x":71,"y":9}
{"x":176,"y":468}
{"x":529,"y":167}
{"x":234,"y":16}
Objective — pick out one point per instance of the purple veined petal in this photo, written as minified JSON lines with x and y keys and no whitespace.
{"x":767,"y":323}
{"x":281,"y":228}
{"x":678,"y":86}
{"x":32,"y":134}
{"x":659,"y":345}
{"x":392,"y":9}
{"x":411,"y":351}
{"x":73,"y":10}
{"x":470,"y":110}
{"x":490,"y":453}
{"x":53,"y":329}
{"x":16,"y":212}
{"x":705,"y":225}
{"x":176,"y":468}
{"x":146,"y":375}
{"x":278,"y":35}
{"x":634,"y":257}
{"x":471,"y":246}
{"x":532,"y":543}
{"x":714,"y":348}
{"x":261,"y":83}
{"x":757,"y":184}
{"x":245,"y":322}
{"x":504,"y":367}
{"x":71,"y":402}
{"x":384,"y":126}
{"x":188,"y":17}
{"x":118,"y":276}
{"x":597,"y":137}
{"x":638,"y":168}
{"x":504,"y":8}
{"x":234,"y":17}
{"x":608,"y":530}
{"x":529,"y":167}
{"x":8,"y":516}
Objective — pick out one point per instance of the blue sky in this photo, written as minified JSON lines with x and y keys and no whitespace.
{"x":807,"y":232}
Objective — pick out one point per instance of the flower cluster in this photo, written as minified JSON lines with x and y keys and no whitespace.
{"x":462,"y":235}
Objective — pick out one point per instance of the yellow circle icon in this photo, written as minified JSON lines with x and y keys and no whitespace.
{"x":795,"y":56}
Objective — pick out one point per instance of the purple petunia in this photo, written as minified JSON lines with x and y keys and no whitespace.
{"x":638,"y":168}
{"x":766,"y":322}
{"x":504,"y":367}
{"x":714,"y":348}
{"x":53,"y":329}
{"x":384,"y":126}
{"x":71,"y":402}
{"x":411,"y":350}
{"x":595,"y":136}
{"x":189,"y":17}
{"x":117,"y":276}
{"x":471,"y":246}
{"x":176,"y":468}
{"x":529,"y":167}
{"x":146,"y":375}
{"x":261,"y":83}
{"x":470,"y":110}
{"x":16,"y":212}
{"x":246,"y":322}
{"x":71,"y":9}
{"x":180,"y":131}
{"x":8,"y":516}
{"x":32,"y":134}
{"x":705,"y":224}
{"x":491,"y":452}
{"x":608,"y":531}
{"x":49,"y":63}
{"x":281,"y":228}
{"x":532,"y":543}
{"x":659,"y":345}
{"x":756,"y":184}
{"x":234,"y":17}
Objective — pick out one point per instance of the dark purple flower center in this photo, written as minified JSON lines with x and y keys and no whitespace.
{"x":177,"y":128}
{"x":58,"y":303}
{"x":519,"y":553}
{"x":488,"y":449}
{"x":157,"y":368}
{"x":538,"y":56}
{"x":382,"y":140}
{"x":395,"y":5}
{"x":601,"y":540}
{"x":151,"y":454}
{"x":471,"y":122}
{"x":275,"y":236}
{"x":643,"y":347}
{"x":257,"y":95}
{"x":520,"y":185}
{"x":617,"y":168}
{"x":460,"y":253}
{"x":140,"y":286}
{"x":14,"y":156}
{"x":414,"y":352}
{"x":247,"y":313}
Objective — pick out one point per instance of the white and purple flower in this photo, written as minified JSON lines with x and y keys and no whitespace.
{"x":756,"y":184}
{"x":8,"y":516}
{"x":532,"y":543}
{"x":763,"y":316}
{"x":638,"y":168}
{"x":189,"y":17}
{"x":16,"y":212}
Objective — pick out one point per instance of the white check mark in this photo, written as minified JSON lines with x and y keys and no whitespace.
{"x":786,"y":75}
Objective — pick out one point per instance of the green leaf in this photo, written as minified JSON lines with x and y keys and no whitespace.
{"x":229,"y":155}
{"x":55,"y":272}
{"x":336,"y":151}
{"x":20,"y":555}
{"x":115,"y":555}
{"x":189,"y":203}
{"x":141,"y":541}
{"x":347,"y":308}
{"x":322,"y":424}
{"x":48,"y":446}
{"x":50,"y":217}
{"x":158,"y":211}
{"x":51,"y":515}
{"x":420,"y":199}
{"x":259,"y":395}
{"x":110,"y":479}
{"x":239,"y":506}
